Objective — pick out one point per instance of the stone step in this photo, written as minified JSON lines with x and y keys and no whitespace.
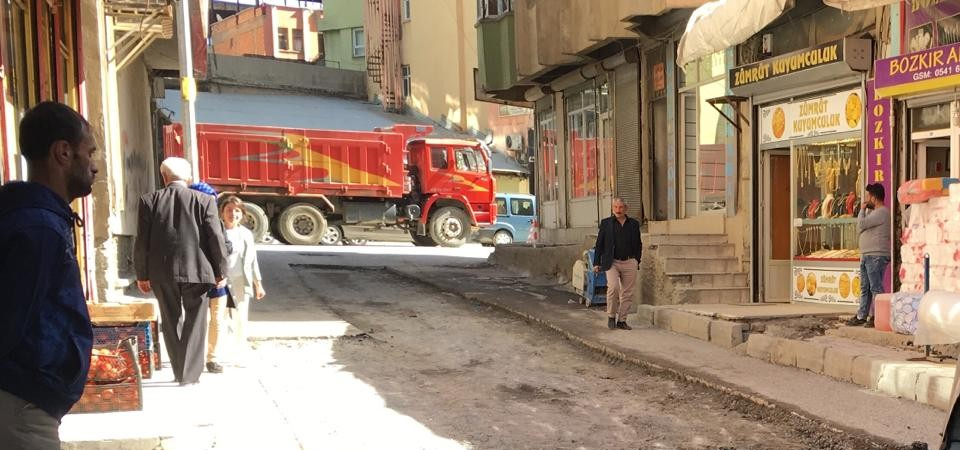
{"x":700,"y":250}
{"x":706,"y":280}
{"x":724,"y":295}
{"x":702,"y":265}
{"x":687,"y":239}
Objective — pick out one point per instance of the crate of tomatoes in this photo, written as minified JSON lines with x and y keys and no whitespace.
{"x":114,"y":382}
{"x":106,"y":335}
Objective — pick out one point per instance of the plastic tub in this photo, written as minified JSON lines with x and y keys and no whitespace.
{"x":881,"y":312}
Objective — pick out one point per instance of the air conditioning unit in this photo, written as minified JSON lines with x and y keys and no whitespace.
{"x":514,"y":141}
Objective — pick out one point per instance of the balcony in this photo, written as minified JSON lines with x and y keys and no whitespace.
{"x":496,"y":51}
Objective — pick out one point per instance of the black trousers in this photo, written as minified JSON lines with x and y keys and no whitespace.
{"x":186,"y":344}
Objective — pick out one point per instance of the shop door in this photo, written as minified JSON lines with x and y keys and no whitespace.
{"x":775,"y":241}
{"x":933,"y":159}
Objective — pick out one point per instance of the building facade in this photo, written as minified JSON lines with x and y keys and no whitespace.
{"x":687,"y":144}
{"x":103,"y":49}
{"x":424,"y":57}
{"x":279,"y":32}
{"x":342,"y":40}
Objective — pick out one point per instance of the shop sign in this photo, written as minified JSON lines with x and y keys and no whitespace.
{"x":879,"y":151}
{"x":879,"y":140}
{"x":930,"y":23}
{"x":826,"y":285}
{"x":925,"y":70}
{"x":834,"y":113}
{"x":786,"y":64}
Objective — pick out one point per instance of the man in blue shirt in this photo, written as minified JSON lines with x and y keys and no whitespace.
{"x":45,"y":332}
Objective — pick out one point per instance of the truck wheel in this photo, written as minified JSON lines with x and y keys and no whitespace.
{"x":302,"y":224}
{"x":256,"y":220}
{"x":422,"y":241}
{"x":502,"y":237}
{"x":449,"y":227}
{"x":333,"y":236}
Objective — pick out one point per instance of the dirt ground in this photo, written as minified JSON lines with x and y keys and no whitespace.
{"x":461,"y":375}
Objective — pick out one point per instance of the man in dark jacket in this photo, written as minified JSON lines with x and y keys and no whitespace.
{"x":45,"y":333}
{"x":179,"y":255}
{"x":618,"y":253}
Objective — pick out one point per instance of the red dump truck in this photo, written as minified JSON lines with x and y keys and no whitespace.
{"x":304,"y":184}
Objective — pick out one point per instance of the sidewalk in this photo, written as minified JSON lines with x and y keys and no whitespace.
{"x":231,"y":410}
{"x":838,"y":405}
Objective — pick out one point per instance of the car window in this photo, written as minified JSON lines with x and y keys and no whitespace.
{"x":521,"y":207}
{"x":438,"y":158}
{"x":501,"y":206}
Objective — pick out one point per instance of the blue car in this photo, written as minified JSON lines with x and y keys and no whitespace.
{"x":515,"y":214}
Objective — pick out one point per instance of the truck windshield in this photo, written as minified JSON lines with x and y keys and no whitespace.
{"x":469,"y":160}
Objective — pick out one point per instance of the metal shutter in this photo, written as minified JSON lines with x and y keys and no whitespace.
{"x":626,"y":113}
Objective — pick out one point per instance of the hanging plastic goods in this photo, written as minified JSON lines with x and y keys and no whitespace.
{"x":922,"y":190}
{"x":938,"y":318}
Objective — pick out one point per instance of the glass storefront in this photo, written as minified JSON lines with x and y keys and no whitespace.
{"x":821,"y":138}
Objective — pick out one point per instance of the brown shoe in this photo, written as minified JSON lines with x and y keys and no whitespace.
{"x":624,"y":326}
{"x":213,"y":367}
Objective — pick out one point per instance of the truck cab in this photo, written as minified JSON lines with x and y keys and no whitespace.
{"x":452,"y":183}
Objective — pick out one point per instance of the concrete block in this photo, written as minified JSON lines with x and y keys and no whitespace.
{"x":761,"y":346}
{"x":785,"y":354}
{"x":810,"y":356}
{"x":663,"y":318}
{"x":727,"y":334}
{"x":838,"y":364}
{"x":865,"y":371}
{"x":645,"y":314}
{"x":897,"y":378}
{"x":935,"y":389}
{"x":697,"y":327}
{"x":679,"y":321}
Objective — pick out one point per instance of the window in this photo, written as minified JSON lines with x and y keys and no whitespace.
{"x":405,"y":72}
{"x":298,"y":40}
{"x":501,"y":206}
{"x":547,"y":144}
{"x":359,"y":50}
{"x":405,"y":10}
{"x":282,"y":36}
{"x":582,"y":140}
{"x":521,"y":207}
{"x":704,"y":183}
{"x":438,"y":158}
{"x":493,"y":8}
{"x":468,"y":160}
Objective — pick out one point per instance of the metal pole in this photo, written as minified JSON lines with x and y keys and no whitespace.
{"x":188,"y":88}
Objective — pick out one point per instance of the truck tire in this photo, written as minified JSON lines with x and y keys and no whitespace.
{"x":449,"y":227}
{"x":333,"y":236}
{"x":302,"y":224}
{"x":422,"y":241}
{"x":256,"y":220}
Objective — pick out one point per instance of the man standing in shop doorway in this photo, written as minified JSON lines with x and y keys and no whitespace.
{"x":874,"y":227}
{"x":618,"y":253}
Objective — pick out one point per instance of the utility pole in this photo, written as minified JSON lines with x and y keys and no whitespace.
{"x":188,"y":88}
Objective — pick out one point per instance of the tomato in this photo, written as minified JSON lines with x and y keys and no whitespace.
{"x":106,"y":395}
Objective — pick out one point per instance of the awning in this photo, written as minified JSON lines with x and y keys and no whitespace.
{"x":720,"y":24}
{"x":857,"y":5}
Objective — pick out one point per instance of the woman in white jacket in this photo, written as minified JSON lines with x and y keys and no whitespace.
{"x":243,"y":277}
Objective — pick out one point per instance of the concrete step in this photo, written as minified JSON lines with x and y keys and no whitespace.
{"x":724,"y":295}
{"x":684,"y":239}
{"x":698,"y":250}
{"x":706,"y":280}
{"x":702,"y":265}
